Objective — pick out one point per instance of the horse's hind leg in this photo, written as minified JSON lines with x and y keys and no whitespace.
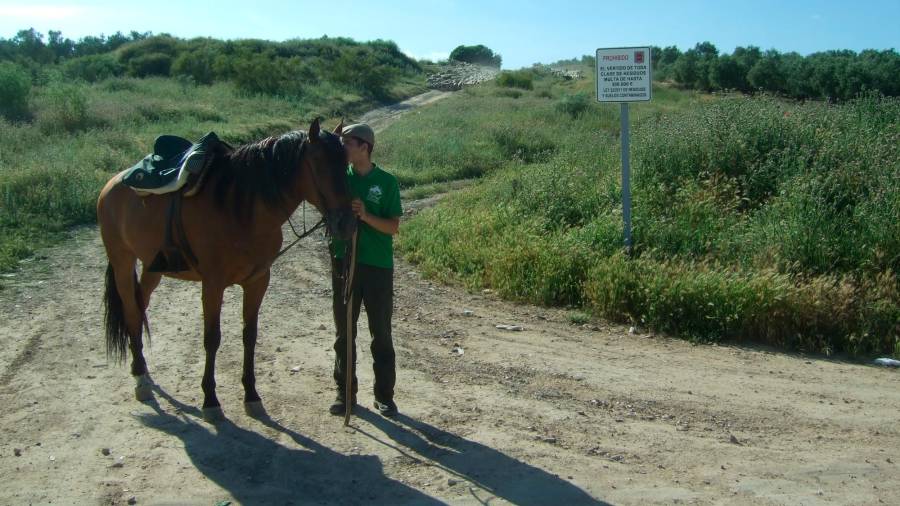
{"x":128,"y":309}
{"x":253,"y":296}
{"x":143,"y":389}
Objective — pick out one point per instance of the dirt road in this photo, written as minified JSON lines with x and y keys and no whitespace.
{"x":552,"y":414}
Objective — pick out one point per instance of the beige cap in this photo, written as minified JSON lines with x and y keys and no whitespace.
{"x":361,"y":131}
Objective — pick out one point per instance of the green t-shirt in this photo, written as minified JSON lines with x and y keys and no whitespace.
{"x":380,"y":193}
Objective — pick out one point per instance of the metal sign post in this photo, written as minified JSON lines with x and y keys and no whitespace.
{"x":623,"y":75}
{"x":626,"y":174}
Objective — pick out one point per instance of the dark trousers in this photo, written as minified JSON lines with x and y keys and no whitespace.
{"x":374,"y":287}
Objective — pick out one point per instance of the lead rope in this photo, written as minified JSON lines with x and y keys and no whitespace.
{"x":299,"y":236}
{"x":348,"y":304}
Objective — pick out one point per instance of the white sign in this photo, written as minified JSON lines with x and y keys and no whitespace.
{"x":623,"y":74}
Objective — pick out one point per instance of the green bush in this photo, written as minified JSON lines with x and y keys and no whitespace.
{"x":264,"y":75}
{"x":509,"y":93}
{"x":359,"y":69}
{"x":15,"y":88}
{"x":93,"y":68}
{"x":199,"y":64}
{"x":153,"y":64}
{"x":754,"y":219}
{"x":574,"y":105}
{"x":523,"y":79}
{"x":65,"y":108}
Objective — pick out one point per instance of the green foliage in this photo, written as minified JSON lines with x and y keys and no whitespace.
{"x":199,"y":64}
{"x":152,"y":64}
{"x":754,"y":219}
{"x":52,"y":169}
{"x":523,"y":79}
{"x":479,"y":54}
{"x":339,"y":67}
{"x":64,"y":106}
{"x":15,"y":88}
{"x":574,"y":104}
{"x":262,"y":74}
{"x":360,"y":69}
{"x":93,"y":68}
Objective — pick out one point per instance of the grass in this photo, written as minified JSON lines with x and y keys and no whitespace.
{"x":52,"y":167}
{"x":755,"y":219}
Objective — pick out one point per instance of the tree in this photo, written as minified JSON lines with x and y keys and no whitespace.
{"x":61,"y":48}
{"x":767,"y":74}
{"x":479,"y":54}
{"x":31,"y":45}
{"x":15,"y":87}
{"x":687,"y":69}
{"x":725,"y":73}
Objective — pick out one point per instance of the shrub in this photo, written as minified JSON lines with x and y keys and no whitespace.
{"x":153,"y":64}
{"x":509,"y":93}
{"x":523,"y":79}
{"x":262,"y":74}
{"x":93,"y":68}
{"x":521,"y":145}
{"x":198,"y":64}
{"x":574,"y":105}
{"x":65,"y":107}
{"x":359,"y":68}
{"x":15,"y":88}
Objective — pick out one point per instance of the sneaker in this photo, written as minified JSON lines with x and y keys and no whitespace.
{"x":339,"y":407}
{"x":388,"y":408}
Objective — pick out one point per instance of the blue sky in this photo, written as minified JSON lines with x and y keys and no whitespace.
{"x":523,"y":32}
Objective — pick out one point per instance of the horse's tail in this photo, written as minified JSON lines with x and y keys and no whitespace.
{"x":117,"y":334}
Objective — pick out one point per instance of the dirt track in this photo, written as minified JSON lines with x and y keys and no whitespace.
{"x":552,"y":414}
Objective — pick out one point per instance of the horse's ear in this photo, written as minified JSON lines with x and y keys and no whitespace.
{"x":314,"y":131}
{"x":340,"y":128}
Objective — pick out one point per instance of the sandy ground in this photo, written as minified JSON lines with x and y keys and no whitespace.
{"x":553,"y":414}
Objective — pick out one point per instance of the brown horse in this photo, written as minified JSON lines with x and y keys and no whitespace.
{"x":233,"y":228}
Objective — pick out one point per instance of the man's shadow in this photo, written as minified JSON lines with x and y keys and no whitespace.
{"x":254,"y":469}
{"x":488,"y":469}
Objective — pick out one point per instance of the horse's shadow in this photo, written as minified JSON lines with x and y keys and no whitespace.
{"x":255,"y":469}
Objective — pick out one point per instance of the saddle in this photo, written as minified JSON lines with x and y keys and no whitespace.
{"x":174,"y":163}
{"x":169,"y":168}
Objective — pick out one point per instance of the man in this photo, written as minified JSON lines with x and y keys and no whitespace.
{"x":376,"y":203}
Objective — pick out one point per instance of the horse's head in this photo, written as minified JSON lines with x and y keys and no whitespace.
{"x":326,"y":162}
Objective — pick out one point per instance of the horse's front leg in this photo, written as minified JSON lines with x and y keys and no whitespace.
{"x":254,"y":292}
{"x":212,"y":338}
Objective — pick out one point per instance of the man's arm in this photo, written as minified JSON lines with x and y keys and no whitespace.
{"x":388,"y":226}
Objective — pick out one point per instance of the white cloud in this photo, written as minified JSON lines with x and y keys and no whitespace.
{"x":41,"y":12}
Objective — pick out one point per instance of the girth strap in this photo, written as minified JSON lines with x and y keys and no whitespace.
{"x":176,"y":254}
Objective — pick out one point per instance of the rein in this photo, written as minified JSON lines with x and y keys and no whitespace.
{"x":349,"y":364}
{"x":299,"y":236}
{"x":318,"y":224}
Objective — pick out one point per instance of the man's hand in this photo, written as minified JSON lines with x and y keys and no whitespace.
{"x":359,"y":209}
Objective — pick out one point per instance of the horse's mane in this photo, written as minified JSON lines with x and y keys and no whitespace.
{"x":261,"y":169}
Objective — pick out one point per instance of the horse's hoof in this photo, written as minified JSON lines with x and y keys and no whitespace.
{"x":255,"y":409}
{"x":144,"y":389}
{"x":213,"y":415}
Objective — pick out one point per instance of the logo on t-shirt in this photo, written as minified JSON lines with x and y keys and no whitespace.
{"x":374,"y":195}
